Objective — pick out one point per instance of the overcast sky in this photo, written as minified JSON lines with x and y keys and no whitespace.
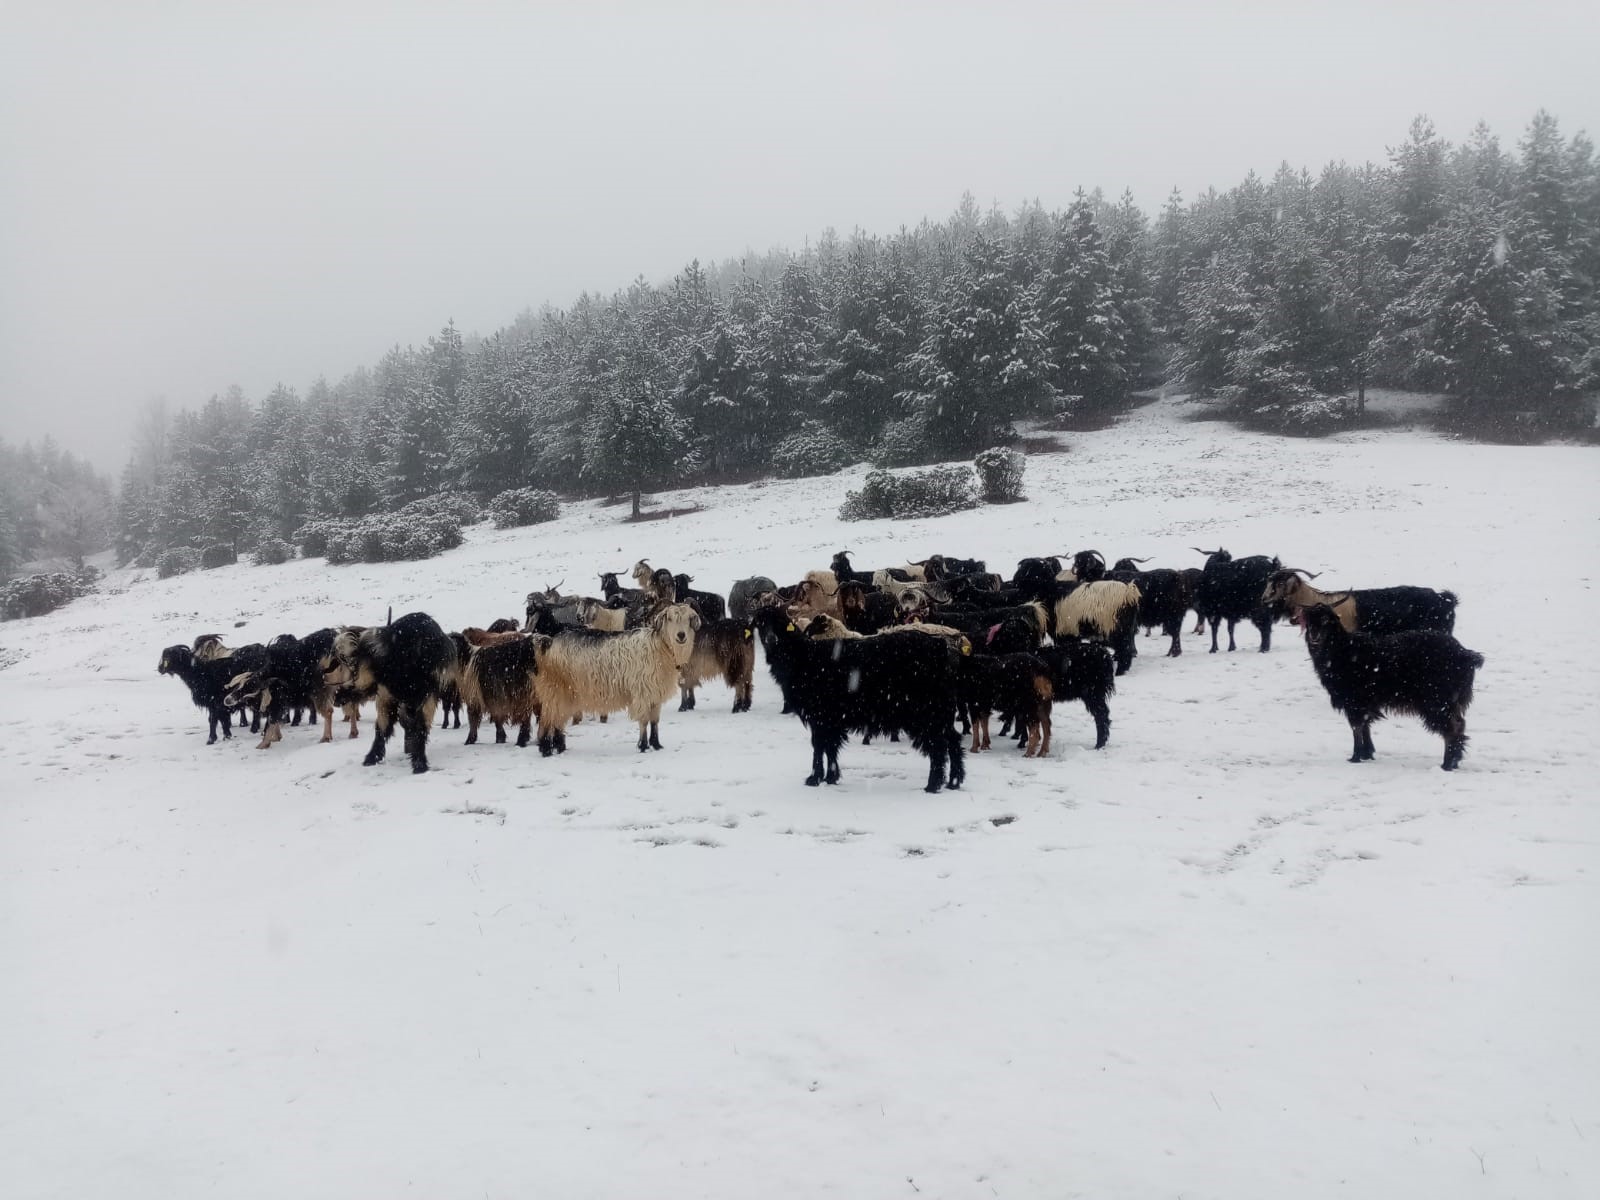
{"x":197,"y":195}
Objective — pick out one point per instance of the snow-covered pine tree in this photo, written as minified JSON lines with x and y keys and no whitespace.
{"x":1078,"y":306}
{"x":986,"y":359}
{"x":1484,"y":318}
{"x":634,"y":440}
{"x":10,"y":548}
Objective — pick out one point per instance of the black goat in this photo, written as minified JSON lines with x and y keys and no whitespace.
{"x":870,"y":686}
{"x":1164,"y":599}
{"x":844,"y":573}
{"x":1084,"y":671}
{"x":1018,"y":686}
{"x":1089,"y":566}
{"x":864,"y":610}
{"x":742,"y":594}
{"x":405,"y":665}
{"x":938,"y":568}
{"x":207,"y":681}
{"x":1230,"y":590}
{"x":709,"y":605}
{"x":291,"y":680}
{"x":1369,"y":610}
{"x":1422,"y":672}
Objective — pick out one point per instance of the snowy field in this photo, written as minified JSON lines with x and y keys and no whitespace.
{"x":1211,"y":960}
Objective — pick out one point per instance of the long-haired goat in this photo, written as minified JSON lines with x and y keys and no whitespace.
{"x":709,"y":605}
{"x":741,"y":596}
{"x":292,"y":679}
{"x":207,"y":681}
{"x":1018,"y":686}
{"x":1083,"y":671}
{"x":209,"y":647}
{"x":1164,"y":599}
{"x":865,"y":611}
{"x":723,"y":649}
{"x":872,"y":686}
{"x":1230,"y":590}
{"x":404,"y":666}
{"x":1369,"y":610}
{"x":498,"y":682}
{"x":588,"y":672}
{"x":1106,"y":609}
{"x":1367,"y":676}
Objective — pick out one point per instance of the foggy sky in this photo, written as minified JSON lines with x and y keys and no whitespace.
{"x":197,"y":195}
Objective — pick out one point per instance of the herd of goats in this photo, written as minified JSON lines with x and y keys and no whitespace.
{"x":912,"y":650}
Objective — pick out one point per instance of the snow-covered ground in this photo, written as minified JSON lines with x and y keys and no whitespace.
{"x":1212,"y":960}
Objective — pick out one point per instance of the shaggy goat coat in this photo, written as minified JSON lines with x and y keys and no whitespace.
{"x":1422,"y":673}
{"x":722,"y":649}
{"x":1369,"y":610}
{"x":405,"y":666}
{"x":498,"y":681}
{"x":634,"y":672}
{"x":872,"y":686}
{"x":1105,"y":609}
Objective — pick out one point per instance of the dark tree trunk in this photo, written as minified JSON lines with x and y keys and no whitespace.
{"x":636,"y":502}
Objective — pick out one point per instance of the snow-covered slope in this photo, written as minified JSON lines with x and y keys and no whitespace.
{"x":1212,"y":960}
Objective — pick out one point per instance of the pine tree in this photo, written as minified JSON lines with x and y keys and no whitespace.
{"x":10,"y":548}
{"x":634,"y":440}
{"x":1484,"y":318}
{"x":985,"y":361}
{"x":1078,"y":305}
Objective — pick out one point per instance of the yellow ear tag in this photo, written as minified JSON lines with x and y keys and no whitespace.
{"x":966,"y":646}
{"x":791,"y":626}
{"x":747,"y":632}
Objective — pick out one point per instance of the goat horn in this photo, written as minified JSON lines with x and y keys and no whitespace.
{"x":1207,"y":553}
{"x":1138,"y":560}
{"x":1100,"y":556}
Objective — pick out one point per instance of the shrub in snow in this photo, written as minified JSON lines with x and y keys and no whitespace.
{"x":903,"y":442}
{"x":272,"y":552}
{"x":933,"y":493}
{"x":177,"y":561}
{"x":382,"y":537}
{"x":312,"y":537}
{"x":460,"y":508}
{"x":999,"y":474}
{"x":217,"y":555}
{"x":814,"y":450}
{"x":35,"y":595}
{"x":516,"y":507}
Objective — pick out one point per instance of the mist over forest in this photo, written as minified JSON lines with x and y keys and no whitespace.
{"x":1465,"y":268}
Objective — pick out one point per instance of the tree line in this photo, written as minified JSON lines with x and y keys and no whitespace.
{"x":1464,"y":269}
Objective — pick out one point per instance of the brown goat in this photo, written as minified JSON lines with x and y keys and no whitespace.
{"x":723,"y":648}
{"x":497,"y":681}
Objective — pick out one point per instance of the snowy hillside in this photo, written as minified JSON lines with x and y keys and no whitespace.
{"x":1211,"y":960}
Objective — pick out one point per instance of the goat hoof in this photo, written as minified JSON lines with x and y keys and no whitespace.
{"x":370,"y":761}
{"x":812,"y":781}
{"x":419,"y":768}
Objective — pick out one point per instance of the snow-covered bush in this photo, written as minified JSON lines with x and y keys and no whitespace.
{"x":312,"y":537}
{"x":382,"y":537}
{"x":1000,"y":474}
{"x":218,"y":554}
{"x":903,"y":442}
{"x":522,"y":506}
{"x":272,"y":552}
{"x":35,"y":595}
{"x":458,"y":507}
{"x":932,"y":493}
{"x":814,"y":450}
{"x":177,"y":561}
